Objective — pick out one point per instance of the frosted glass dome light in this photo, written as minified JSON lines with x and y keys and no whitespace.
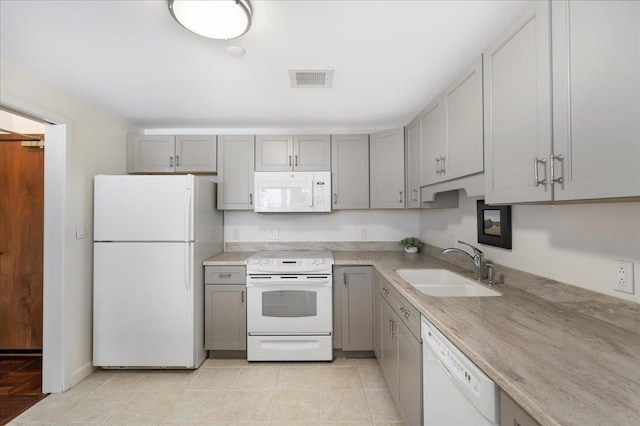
{"x":219,"y":19}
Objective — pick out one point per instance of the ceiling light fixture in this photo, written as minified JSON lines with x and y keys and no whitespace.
{"x":219,"y":19}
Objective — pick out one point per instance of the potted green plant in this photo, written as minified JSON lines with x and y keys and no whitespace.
{"x":411,"y":244}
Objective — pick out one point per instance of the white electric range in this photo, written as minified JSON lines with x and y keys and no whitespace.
{"x":289,"y":306}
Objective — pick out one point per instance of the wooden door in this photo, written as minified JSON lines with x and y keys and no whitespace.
{"x":21,"y":245}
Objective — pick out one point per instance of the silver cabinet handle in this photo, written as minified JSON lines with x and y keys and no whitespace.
{"x":415,"y":198}
{"x":295,"y":164}
{"x":335,"y":198}
{"x":400,"y":200}
{"x":227,"y":275}
{"x":177,"y":160}
{"x":170,"y":161}
{"x":443,"y":170}
{"x":251,"y":199}
{"x":536,"y":178}
{"x":552,"y":160}
{"x":345,"y":279}
{"x":391,"y":327}
{"x":289,"y":161}
{"x":438,"y":165}
{"x":242,"y":297}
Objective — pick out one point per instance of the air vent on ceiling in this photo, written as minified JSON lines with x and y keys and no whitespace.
{"x":311,"y":77}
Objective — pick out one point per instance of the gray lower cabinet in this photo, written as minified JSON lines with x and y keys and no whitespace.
{"x":355,"y":289}
{"x":377,"y":314}
{"x":511,"y":414}
{"x":225,"y":308}
{"x":401,"y":353}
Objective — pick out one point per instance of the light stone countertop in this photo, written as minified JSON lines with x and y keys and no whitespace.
{"x":568,"y":356}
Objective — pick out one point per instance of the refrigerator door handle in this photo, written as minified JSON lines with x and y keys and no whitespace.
{"x":187,"y":215}
{"x":187,"y":269}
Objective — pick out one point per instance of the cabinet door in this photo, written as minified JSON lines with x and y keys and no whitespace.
{"x":432,"y":141}
{"x":274,"y":153}
{"x":596,"y":97}
{"x":151,"y":154}
{"x":389,"y":362}
{"x":235,"y":172}
{"x":517,"y":109}
{"x":350,"y":171}
{"x":387,"y":169}
{"x":409,"y":375}
{"x":196,"y":154}
{"x":512,"y":414}
{"x":463,"y":123}
{"x":357,"y":313}
{"x":312,"y":153}
{"x":377,"y":315}
{"x":225,"y":311}
{"x":414,"y":153}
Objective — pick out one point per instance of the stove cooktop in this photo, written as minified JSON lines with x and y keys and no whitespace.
{"x":290,"y":262}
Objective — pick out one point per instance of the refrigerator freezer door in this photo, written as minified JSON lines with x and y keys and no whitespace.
{"x":143,"y":305}
{"x":143,"y":208}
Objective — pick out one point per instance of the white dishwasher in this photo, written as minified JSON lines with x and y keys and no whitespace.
{"x":455,"y":391}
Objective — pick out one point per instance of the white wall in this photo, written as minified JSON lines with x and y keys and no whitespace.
{"x":340,"y":225}
{"x":572,"y":243}
{"x":95,"y":143}
{"x":19,"y":124}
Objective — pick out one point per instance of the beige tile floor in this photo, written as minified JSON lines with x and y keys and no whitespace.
{"x":226,"y":392}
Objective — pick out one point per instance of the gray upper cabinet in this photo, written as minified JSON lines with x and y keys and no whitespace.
{"x":235,"y":172}
{"x":452,"y":139}
{"x":463,"y":124}
{"x":386,"y":156}
{"x":298,"y":153}
{"x":432,"y":141}
{"x":592,"y":150}
{"x":596,"y":99}
{"x":414,"y":152}
{"x":196,"y":154}
{"x":171,"y":154}
{"x":350,"y":171}
{"x":517,"y":109}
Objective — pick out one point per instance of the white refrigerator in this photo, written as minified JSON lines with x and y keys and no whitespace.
{"x":151,"y":235}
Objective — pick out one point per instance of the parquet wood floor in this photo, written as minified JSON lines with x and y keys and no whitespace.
{"x":20,"y":384}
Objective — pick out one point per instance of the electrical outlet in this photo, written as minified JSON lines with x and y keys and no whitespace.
{"x":623,"y":276}
{"x":363,"y":233}
{"x":235,"y":234}
{"x":273,"y":234}
{"x":451,"y":240}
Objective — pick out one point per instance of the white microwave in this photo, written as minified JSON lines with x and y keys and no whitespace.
{"x":286,"y":192}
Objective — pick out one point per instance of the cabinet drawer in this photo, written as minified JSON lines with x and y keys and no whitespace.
{"x":409,"y":315}
{"x":224,"y":275}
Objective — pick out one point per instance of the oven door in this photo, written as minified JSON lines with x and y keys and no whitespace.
{"x":289,"y":304}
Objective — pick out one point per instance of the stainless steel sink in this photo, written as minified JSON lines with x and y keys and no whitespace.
{"x":443,"y":283}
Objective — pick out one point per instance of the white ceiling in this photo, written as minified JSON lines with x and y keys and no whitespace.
{"x":390,"y":59}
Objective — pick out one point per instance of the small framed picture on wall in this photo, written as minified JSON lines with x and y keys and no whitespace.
{"x":494,"y":225}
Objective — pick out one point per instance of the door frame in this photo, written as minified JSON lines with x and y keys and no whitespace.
{"x":55,"y":371}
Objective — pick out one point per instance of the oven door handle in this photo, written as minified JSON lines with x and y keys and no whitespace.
{"x":290,"y":284}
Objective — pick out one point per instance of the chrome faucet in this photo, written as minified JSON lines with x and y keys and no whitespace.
{"x":477,"y":259}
